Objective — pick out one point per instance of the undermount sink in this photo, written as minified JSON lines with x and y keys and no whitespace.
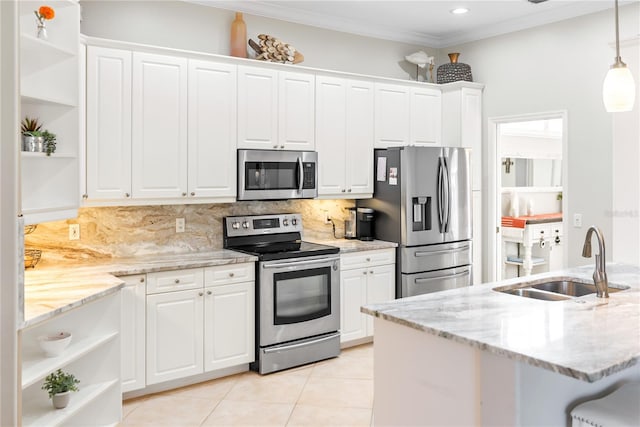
{"x":555,"y":290}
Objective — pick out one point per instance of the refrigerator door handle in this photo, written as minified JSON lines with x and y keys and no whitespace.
{"x":449,"y":276}
{"x":447,"y":195}
{"x":444,"y":251}
{"x":440,"y":195}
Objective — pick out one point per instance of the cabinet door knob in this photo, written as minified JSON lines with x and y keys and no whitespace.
{"x":85,"y":196}
{"x":193,"y":193}
{"x":200,"y":294}
{"x":127,"y":195}
{"x":364,"y":272}
{"x":349,"y":190}
{"x":184,"y":194}
{"x":282,"y":146}
{"x":231,"y":274}
{"x":177,"y":281}
{"x":342,"y":190}
{"x":275,"y":146}
{"x":371,"y":272}
{"x":209,"y":292}
{"x":368,"y":259}
{"x":142,"y":280}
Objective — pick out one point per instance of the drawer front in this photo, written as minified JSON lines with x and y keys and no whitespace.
{"x":229,"y":273}
{"x":367,"y":258}
{"x":175,"y":280}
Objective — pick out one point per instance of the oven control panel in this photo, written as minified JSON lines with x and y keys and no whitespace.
{"x":251,"y":225}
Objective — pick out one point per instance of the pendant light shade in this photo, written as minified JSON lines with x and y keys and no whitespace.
{"x":619,"y":89}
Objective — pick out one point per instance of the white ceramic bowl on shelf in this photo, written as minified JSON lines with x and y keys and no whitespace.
{"x":54,"y":344}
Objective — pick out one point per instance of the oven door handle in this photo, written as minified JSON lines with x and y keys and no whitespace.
{"x":298,"y":345}
{"x":297,"y":263}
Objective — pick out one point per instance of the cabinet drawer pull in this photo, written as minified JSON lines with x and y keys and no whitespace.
{"x":177,"y":281}
{"x":368,"y":259}
{"x":126,"y":195}
{"x":364,"y":272}
{"x":231,"y":274}
{"x":349,"y":190}
{"x":193,"y":193}
{"x":342,"y":190}
{"x":371,"y":272}
{"x":209,"y":292}
{"x":200,"y":293}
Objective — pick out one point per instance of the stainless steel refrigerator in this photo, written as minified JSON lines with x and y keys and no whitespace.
{"x":422,"y":199}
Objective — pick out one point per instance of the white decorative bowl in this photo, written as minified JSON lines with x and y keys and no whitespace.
{"x":54,"y":344}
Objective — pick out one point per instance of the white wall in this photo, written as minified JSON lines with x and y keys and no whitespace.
{"x":556,"y":67}
{"x":206,"y":29}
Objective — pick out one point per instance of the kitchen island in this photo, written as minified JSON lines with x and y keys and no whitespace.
{"x":475,"y":356}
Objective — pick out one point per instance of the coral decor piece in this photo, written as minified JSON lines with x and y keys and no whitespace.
{"x":44,"y":13}
{"x":271,"y":49}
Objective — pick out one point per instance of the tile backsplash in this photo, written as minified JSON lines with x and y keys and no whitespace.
{"x":116,"y":232}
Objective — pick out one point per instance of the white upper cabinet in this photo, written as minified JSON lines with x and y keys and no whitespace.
{"x":296,"y":106}
{"x":393,"y":105}
{"x":426,"y":116}
{"x":108,"y":123}
{"x":257,"y":108}
{"x":275,"y":109}
{"x":344,"y":137}
{"x":407,"y":115}
{"x":159,"y":126}
{"x":212,"y":129}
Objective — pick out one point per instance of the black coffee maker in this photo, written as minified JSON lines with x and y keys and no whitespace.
{"x":364,"y":223}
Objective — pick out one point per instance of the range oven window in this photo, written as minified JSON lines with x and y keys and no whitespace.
{"x":302,"y":295}
{"x":271,"y":175}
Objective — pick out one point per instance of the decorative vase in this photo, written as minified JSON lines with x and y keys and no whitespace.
{"x":42,"y":31}
{"x":33,"y":144}
{"x":61,"y":400}
{"x":239,"y":37}
{"x":454,"y":71}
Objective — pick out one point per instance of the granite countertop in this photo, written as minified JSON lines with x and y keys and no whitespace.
{"x":353,"y":245}
{"x":51,"y":291}
{"x":586,"y":338}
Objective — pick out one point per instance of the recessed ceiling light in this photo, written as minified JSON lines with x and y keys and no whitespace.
{"x":459,"y":10}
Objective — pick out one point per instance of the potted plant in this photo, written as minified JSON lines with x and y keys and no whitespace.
{"x":59,"y":385}
{"x":49,"y":142}
{"x":32,"y":139}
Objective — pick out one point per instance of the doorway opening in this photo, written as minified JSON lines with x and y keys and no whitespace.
{"x":527,"y":194}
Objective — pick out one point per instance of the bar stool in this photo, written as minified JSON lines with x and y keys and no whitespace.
{"x":620,"y":408}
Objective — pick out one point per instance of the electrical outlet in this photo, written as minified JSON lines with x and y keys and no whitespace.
{"x":74,"y":231}
{"x":179,"y":225}
{"x":577,"y":220}
{"x":327,"y":217}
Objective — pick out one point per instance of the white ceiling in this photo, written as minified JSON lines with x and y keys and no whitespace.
{"x":425,"y":22}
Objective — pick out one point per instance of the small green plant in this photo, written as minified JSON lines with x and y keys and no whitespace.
{"x":559,"y":196}
{"x":49,"y":142}
{"x":31,"y":127}
{"x":60,"y":382}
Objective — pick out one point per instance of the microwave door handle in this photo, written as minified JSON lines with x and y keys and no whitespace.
{"x":300,"y":175}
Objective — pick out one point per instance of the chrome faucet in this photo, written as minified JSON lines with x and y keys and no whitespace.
{"x":600,"y":273}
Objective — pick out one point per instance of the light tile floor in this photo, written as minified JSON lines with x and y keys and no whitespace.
{"x":335,"y":392}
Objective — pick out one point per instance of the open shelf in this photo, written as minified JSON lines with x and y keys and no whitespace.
{"x":36,"y":366}
{"x":37,"y":53}
{"x":56,"y":155}
{"x":40,"y":411}
{"x":48,"y":100}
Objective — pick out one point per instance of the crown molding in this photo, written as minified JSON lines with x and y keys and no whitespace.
{"x":291,"y":14}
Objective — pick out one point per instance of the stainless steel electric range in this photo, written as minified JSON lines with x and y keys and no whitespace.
{"x":297,"y":290}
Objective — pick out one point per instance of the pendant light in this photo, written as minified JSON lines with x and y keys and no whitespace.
{"x":618,"y":90}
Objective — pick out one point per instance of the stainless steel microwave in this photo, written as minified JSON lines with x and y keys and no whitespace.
{"x":277,"y":175}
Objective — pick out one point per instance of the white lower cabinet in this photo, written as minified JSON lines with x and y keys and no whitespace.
{"x":366,"y":277}
{"x":207,"y":326}
{"x":132,"y":337}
